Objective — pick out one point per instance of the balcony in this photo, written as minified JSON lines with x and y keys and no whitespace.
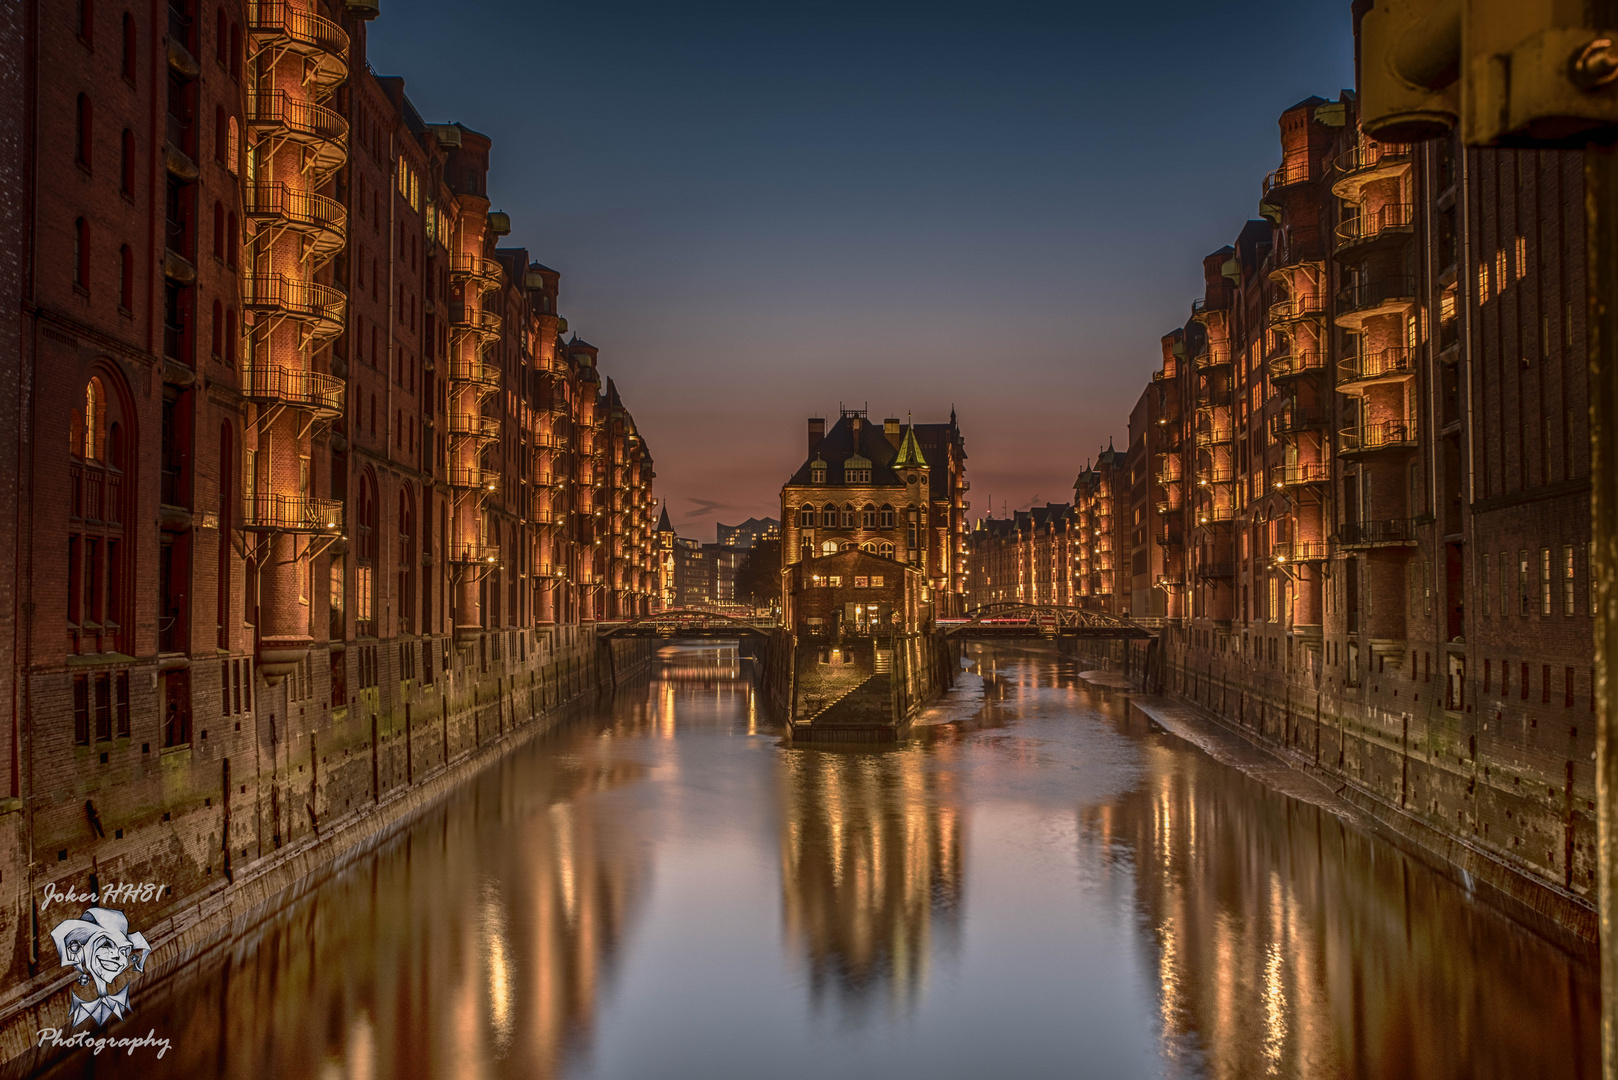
{"x":1169,"y":472}
{"x":1287,"y":174}
{"x":1168,"y":506}
{"x":322,"y":222}
{"x":268,"y":512}
{"x":1213,"y":434}
{"x":481,"y":272}
{"x":1385,"y":366}
{"x":551,"y":402}
{"x":484,"y":325}
{"x":1301,"y":473}
{"x":276,"y":25}
{"x":476,"y":372}
{"x":322,"y":132}
{"x":1391,"y":295}
{"x":1383,"y":435}
{"x":473,"y":479}
{"x":1165,"y":374}
{"x":1394,"y":532}
{"x":1215,"y":474}
{"x":1296,"y":362}
{"x":1216,"y":570}
{"x":1211,"y":356}
{"x":311,"y":391}
{"x":1297,"y":308}
{"x":321,"y":309}
{"x":1391,"y":221}
{"x":465,"y":554}
{"x":1211,"y":513}
{"x":1296,"y":420}
{"x":1301,"y":551}
{"x":545,"y":441}
{"x":1366,"y":163}
{"x":473,"y":426}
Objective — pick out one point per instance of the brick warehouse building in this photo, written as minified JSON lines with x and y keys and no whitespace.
{"x":1365,"y":462}
{"x":898,"y":491}
{"x":308,"y":481}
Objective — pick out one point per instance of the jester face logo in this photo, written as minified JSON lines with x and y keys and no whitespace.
{"x":102,"y":949}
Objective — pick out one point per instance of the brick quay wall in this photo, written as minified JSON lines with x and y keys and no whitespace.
{"x":1494,"y":798}
{"x":311,"y":789}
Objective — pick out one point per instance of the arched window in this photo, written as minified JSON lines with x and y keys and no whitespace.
{"x":869,"y":545}
{"x":848,"y":545}
{"x":81,"y":254}
{"x":806,"y":517}
{"x":82,"y":124}
{"x":219,"y":37}
{"x":221,"y":134}
{"x":126,"y":164}
{"x":87,"y":21}
{"x":868,"y":516}
{"x":808,"y":548}
{"x":126,"y":278}
{"x":848,"y":515}
{"x":828,"y":516}
{"x":230,"y":239}
{"x":230,"y":336}
{"x":97,"y":511}
{"x":218,"y":330}
{"x":887,"y":519}
{"x":235,"y":51}
{"x":219,"y":230}
{"x":233,"y":145}
{"x":129,"y":46}
{"x":829,"y":547}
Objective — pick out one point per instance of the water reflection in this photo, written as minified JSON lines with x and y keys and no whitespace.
{"x":871,"y":867}
{"x":1287,"y":941}
{"x":665,"y":888}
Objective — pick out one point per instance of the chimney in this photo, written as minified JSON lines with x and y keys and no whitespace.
{"x":854,"y":429}
{"x":817,"y":431}
{"x":890,"y":428}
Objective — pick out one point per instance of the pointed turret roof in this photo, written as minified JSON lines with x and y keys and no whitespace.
{"x":663,"y":521}
{"x":910,"y":456}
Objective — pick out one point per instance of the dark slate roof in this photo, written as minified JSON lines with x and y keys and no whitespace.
{"x":663,"y":521}
{"x":838,"y":446}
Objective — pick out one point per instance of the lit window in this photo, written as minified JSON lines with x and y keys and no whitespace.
{"x":861,"y":582}
{"x":835,"y":581}
{"x":876,"y":581}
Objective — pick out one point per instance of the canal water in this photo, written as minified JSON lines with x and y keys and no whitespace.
{"x":1034,"y":885}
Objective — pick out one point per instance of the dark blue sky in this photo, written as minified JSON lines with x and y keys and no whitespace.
{"x":760,"y":210}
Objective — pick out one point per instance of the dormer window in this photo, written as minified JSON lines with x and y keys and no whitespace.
{"x":857,"y":476}
{"x":817,"y":476}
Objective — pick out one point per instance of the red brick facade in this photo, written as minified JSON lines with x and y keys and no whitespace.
{"x":312,"y":499}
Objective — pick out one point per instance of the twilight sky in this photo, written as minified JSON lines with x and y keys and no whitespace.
{"x":763,"y":209}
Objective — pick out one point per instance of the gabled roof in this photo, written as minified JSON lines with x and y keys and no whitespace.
{"x":837,"y":447}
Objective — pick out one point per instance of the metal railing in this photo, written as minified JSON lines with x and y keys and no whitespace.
{"x":1376,"y":292}
{"x":1371,"y":155}
{"x":1296,"y":420}
{"x":462,"y":476}
{"x":1216,"y":569}
{"x":1389,"y":531}
{"x":1215,"y":474}
{"x":475,"y":426}
{"x":1297,"y":307}
{"x":271,"y":512}
{"x":1286,"y":174}
{"x":1384,"y":434}
{"x":312,"y":390}
{"x":1370,"y":226}
{"x":1296,"y":362}
{"x":1384,"y":363}
{"x":484,"y":554}
{"x":1302,"y":472}
{"x":303,"y":120}
{"x":482,"y":323}
{"x":303,"y":210}
{"x":477,"y":371}
{"x":322,"y":306}
{"x":1299,"y":551}
{"x":277,"y":18}
{"x":1211,"y":356}
{"x":480,"y":268}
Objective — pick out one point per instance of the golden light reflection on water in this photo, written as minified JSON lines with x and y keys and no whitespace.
{"x":871,"y":864}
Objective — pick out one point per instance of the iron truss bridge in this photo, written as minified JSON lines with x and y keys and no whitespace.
{"x":687,"y":623}
{"x":1038,"y":620}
